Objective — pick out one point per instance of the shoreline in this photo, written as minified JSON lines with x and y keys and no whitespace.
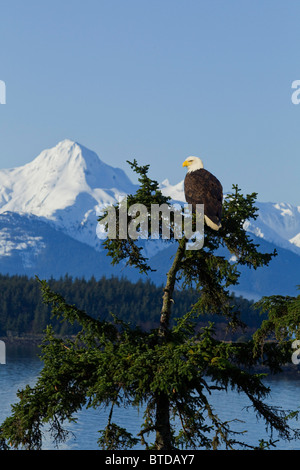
{"x":25,"y":337}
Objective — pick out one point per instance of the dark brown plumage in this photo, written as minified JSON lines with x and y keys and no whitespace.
{"x":202,"y":187}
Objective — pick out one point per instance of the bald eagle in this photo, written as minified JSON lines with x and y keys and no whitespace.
{"x":202,"y":187}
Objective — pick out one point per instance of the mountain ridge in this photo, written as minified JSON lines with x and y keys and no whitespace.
{"x":66,"y":185}
{"x":62,"y":191}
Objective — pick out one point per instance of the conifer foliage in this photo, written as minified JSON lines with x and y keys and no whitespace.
{"x":169,"y":372}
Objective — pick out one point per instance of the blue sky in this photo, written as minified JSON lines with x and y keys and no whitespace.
{"x":157,"y":80}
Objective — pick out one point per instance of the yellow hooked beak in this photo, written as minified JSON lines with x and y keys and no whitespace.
{"x":186,"y":163}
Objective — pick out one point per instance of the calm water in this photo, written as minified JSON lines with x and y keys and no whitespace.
{"x":23,"y":366}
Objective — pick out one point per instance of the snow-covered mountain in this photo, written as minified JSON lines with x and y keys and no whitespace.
{"x":66,"y":185}
{"x":48,"y":222}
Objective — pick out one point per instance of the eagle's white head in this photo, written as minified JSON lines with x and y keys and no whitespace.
{"x":193,"y":163}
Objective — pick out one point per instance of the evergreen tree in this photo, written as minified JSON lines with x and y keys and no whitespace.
{"x":170,"y":371}
{"x":282,"y":322}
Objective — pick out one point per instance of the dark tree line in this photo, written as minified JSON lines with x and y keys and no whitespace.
{"x":22,"y":310}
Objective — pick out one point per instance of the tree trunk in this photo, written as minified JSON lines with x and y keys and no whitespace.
{"x":163,"y":440}
{"x":169,"y":289}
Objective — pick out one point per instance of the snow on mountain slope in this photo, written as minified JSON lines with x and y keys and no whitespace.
{"x":296,"y":240}
{"x":67,"y":185}
{"x":278,"y":223}
{"x":175,"y":192}
{"x":30,"y":246}
{"x":13,"y":240}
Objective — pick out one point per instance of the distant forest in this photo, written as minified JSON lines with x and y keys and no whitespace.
{"x":22,"y":311}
